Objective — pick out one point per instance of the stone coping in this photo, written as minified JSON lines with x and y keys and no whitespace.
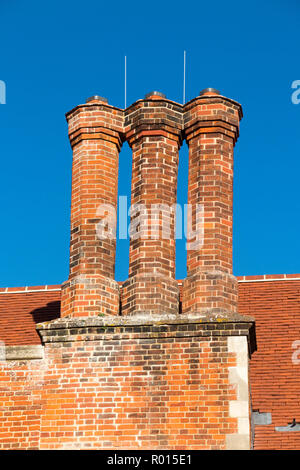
{"x":158,"y":327}
{"x":143,"y":319}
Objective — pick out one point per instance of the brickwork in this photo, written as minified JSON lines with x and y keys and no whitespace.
{"x":95,"y":132}
{"x":21,"y":384}
{"x":274,"y":378}
{"x":153,"y":130}
{"x":141,"y":384}
{"x":143,"y":376}
{"x":211,"y":125}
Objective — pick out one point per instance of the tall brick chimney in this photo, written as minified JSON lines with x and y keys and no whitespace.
{"x":154,"y":132}
{"x":95,"y":134}
{"x":211,"y":124}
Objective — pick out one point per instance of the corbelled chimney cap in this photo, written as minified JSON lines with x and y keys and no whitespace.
{"x":155,"y":93}
{"x":97,"y":98}
{"x":209,"y":91}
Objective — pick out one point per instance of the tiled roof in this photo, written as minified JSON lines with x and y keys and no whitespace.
{"x":274,"y":301}
{"x":275,"y":367}
{"x":22,"y":307}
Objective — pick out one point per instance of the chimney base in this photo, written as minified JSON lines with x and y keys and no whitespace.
{"x":210,"y":290}
{"x":86,"y":295}
{"x":154,"y":294}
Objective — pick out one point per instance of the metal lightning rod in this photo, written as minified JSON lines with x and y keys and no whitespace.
{"x":184,"y":69}
{"x":125,"y":80}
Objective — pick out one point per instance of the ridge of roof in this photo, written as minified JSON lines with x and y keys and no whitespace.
{"x":28,"y":289}
{"x":269,"y":277}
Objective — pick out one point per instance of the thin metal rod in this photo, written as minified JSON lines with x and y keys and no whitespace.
{"x":184,"y":68}
{"x":125,"y":79}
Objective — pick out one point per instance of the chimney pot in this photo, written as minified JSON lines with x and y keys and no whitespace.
{"x":155,"y":93}
{"x":97,"y":98}
{"x":209,"y":91}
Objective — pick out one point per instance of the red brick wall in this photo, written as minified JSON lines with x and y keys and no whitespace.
{"x":21,"y":386}
{"x":274,"y":378}
{"x":124,"y":386}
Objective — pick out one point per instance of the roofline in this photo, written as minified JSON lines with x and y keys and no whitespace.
{"x":269,"y":277}
{"x":241,"y":279}
{"x":29,"y":289}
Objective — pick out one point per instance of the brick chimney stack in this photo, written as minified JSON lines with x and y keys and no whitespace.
{"x":154,"y":127}
{"x":154,"y":132}
{"x":95,"y":132}
{"x":211,"y":124}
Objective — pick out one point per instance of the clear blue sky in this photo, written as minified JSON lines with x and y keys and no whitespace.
{"x":56,"y":54}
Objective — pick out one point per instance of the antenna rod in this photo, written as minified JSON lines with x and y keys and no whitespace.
{"x":125,"y":81}
{"x":184,"y":67}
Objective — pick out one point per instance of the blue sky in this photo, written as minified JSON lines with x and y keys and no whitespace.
{"x":56,"y":54}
